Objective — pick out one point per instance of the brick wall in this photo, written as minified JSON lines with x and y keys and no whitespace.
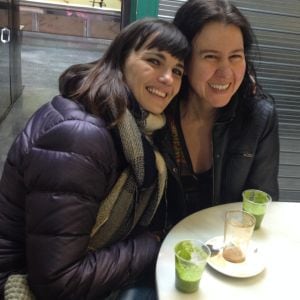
{"x":65,"y":21}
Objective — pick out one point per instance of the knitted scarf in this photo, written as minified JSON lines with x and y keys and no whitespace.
{"x":126,"y":205}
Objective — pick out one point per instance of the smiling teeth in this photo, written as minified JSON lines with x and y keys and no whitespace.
{"x":157,"y":92}
{"x":219,"y":87}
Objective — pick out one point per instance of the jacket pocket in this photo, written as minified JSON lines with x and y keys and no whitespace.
{"x":237,"y":170}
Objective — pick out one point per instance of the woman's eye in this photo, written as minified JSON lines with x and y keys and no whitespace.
{"x":154,"y":61}
{"x":236,"y":56}
{"x":178,"y":72}
{"x":210,"y":56}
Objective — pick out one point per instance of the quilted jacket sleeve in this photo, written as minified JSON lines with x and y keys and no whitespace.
{"x":68,"y":170}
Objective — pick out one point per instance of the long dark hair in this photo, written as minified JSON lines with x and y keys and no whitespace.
{"x":193,"y":15}
{"x":97,"y":84}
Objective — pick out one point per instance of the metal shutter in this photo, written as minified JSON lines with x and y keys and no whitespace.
{"x":277,"y":27}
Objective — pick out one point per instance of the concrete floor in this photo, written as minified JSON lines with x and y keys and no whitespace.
{"x":43,"y":60}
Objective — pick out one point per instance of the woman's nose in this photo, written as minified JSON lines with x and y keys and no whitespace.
{"x":166,"y":77}
{"x":224,"y":71}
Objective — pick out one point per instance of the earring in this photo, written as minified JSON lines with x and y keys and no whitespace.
{"x":253,"y":81}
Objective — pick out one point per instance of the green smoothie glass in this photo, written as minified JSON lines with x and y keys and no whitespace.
{"x":256,"y":203}
{"x":190,"y":261}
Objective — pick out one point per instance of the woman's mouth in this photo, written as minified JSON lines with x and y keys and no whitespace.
{"x":156,"y":92}
{"x":219,"y":87}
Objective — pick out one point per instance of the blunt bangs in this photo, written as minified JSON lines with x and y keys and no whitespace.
{"x":165,"y":37}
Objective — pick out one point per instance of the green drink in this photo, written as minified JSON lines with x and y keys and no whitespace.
{"x":256,"y":203}
{"x":259,"y":219}
{"x":190,"y":262}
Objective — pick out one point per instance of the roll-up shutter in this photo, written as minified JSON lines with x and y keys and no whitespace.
{"x":168,"y":8}
{"x":276,"y":24}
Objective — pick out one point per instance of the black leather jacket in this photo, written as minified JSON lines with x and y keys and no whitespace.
{"x":245,"y":154}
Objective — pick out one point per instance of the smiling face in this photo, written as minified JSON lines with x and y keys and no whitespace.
{"x":217,"y":65}
{"x":154,"y":77}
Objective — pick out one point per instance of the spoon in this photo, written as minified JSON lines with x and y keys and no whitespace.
{"x":214,"y":249}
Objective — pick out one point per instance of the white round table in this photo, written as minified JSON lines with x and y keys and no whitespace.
{"x":278,"y":239}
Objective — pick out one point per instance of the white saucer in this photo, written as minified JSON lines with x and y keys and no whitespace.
{"x":253,"y":265}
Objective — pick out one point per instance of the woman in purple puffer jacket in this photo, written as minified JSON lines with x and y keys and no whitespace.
{"x":82,"y":181}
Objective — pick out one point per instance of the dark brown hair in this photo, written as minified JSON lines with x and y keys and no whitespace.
{"x":193,"y":15}
{"x":99,"y":83}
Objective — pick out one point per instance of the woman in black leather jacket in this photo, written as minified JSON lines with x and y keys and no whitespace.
{"x":222,"y":134}
{"x":82,"y":181}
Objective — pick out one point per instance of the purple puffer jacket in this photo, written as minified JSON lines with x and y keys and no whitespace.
{"x":57,"y":172}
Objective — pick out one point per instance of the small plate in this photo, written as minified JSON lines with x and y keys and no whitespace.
{"x":253,"y":265}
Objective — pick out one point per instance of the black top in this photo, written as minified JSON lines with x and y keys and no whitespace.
{"x":245,"y":153}
{"x":197,"y":186}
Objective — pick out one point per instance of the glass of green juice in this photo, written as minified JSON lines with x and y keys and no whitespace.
{"x":190,"y":261}
{"x":256,"y":203}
